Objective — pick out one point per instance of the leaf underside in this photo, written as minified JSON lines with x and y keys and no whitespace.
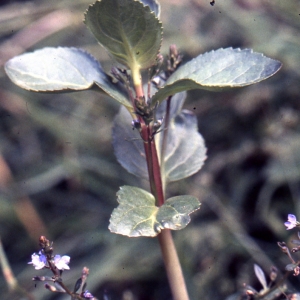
{"x":215,"y":70}
{"x":128,"y":145}
{"x":137,"y":214}
{"x":185,"y":152}
{"x":127,"y":29}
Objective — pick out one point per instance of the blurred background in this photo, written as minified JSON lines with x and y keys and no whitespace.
{"x":59,"y":176}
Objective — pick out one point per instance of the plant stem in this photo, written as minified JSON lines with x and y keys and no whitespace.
{"x":172,"y":264}
{"x":169,"y":253}
{"x":157,"y":182}
{"x":164,"y":139}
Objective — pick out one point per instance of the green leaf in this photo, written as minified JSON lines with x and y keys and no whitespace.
{"x":137,"y":214}
{"x":186,"y":151}
{"x":154,"y":6}
{"x":54,"y":69}
{"x":127,"y":142}
{"x":223,"y":68}
{"x":61,"y":69}
{"x":128,"y":145}
{"x":174,"y":214}
{"x":127,"y":29}
{"x":115,"y":90}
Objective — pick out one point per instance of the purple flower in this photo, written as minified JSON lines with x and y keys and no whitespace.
{"x":61,"y":263}
{"x":39,"y":261}
{"x":87,"y":295}
{"x":291,"y":222}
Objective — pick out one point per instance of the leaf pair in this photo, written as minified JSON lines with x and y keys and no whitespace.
{"x":132,"y":34}
{"x":137,"y":214}
{"x":129,"y":31}
{"x":185,"y":149}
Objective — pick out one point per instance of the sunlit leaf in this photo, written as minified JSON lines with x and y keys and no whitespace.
{"x":129,"y":31}
{"x":52,"y":69}
{"x":137,"y":214}
{"x":223,"y":68}
{"x":55,"y":69}
{"x":61,"y":69}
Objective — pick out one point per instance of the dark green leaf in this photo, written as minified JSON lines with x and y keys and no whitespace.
{"x":223,"y":68}
{"x":137,"y":214}
{"x":127,"y":29}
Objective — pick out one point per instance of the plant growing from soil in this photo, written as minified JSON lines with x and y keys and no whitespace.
{"x":153,"y":136}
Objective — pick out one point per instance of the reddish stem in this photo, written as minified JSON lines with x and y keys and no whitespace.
{"x":170,"y":257}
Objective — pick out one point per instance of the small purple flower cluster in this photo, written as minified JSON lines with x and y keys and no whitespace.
{"x":291,"y":222}
{"x":39,"y":261}
{"x":57,"y":264}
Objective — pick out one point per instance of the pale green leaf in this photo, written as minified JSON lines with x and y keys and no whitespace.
{"x":129,"y":31}
{"x":115,"y":90}
{"x":137,"y":214}
{"x":54,"y":69}
{"x":62,"y":69}
{"x":128,"y":145}
{"x":127,"y":142}
{"x":223,"y":68}
{"x":186,"y":151}
{"x":174,"y":214}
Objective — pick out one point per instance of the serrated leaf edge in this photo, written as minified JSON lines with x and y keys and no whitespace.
{"x":169,"y":82}
{"x":145,"y":6}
